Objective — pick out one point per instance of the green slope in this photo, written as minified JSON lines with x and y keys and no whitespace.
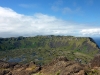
{"x":42,"y":49}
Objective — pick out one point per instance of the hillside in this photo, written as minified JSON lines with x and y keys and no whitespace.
{"x":58,"y":66}
{"x":42,"y":49}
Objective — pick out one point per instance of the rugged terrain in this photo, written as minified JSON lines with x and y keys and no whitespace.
{"x":49,"y":55}
{"x":41,"y":49}
{"x":58,"y":66}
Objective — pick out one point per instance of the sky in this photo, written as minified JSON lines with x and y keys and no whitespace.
{"x":49,"y":17}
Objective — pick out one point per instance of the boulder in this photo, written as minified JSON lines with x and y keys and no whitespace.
{"x":62,"y":66}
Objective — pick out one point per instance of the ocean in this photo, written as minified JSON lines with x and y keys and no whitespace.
{"x":97,"y":40}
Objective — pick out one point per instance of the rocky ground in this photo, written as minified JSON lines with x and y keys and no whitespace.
{"x":18,"y":69}
{"x":58,"y":66}
{"x":62,"y":66}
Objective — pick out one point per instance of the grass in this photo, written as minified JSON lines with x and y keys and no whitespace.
{"x":71,"y":47}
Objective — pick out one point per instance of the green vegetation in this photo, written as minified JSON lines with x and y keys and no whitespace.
{"x":42,"y":49}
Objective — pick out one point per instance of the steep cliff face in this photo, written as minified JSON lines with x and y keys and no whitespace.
{"x":42,"y":49}
{"x":69,"y":42}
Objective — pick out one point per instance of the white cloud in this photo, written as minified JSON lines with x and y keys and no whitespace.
{"x":57,"y":6}
{"x":91,"y":32}
{"x":14,"y":24}
{"x":71,"y":11}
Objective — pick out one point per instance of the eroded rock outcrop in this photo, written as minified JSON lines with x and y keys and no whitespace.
{"x":62,"y":66}
{"x":18,"y":69}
